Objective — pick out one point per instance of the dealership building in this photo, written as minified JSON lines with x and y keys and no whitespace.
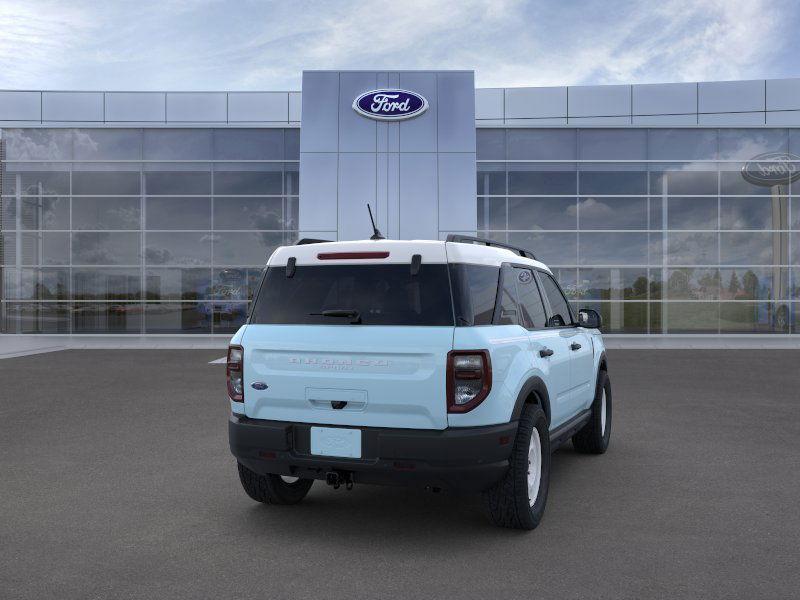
{"x":671,"y":209}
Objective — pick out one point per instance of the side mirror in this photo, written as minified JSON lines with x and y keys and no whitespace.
{"x":590,"y":319}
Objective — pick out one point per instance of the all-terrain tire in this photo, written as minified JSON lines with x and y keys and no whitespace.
{"x":508,"y":502}
{"x":271,"y":489}
{"x":595,"y":435}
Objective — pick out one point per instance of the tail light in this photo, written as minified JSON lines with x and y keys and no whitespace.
{"x":469,"y":379}
{"x":235,"y":373}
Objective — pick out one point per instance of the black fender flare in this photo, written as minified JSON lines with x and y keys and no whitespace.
{"x":537,"y":386}
{"x":602,"y":364}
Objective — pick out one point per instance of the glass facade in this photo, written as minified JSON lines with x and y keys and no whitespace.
{"x":141,"y":230}
{"x":657,"y":229}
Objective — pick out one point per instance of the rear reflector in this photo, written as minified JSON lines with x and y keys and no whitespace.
{"x":351,"y":255}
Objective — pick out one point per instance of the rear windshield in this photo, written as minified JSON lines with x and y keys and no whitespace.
{"x":377,"y":294}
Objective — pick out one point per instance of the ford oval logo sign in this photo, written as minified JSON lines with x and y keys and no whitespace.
{"x":772,"y":168}
{"x":390,"y":105}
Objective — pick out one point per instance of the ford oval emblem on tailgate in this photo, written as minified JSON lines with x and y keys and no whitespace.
{"x":259,"y":385}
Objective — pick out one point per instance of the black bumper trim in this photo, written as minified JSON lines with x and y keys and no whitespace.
{"x":470,"y":458}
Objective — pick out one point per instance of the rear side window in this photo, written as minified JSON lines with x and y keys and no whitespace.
{"x":558,"y":303}
{"x":530,"y":301}
{"x":508,"y":298}
{"x":379,"y":294}
{"x":474,"y":293}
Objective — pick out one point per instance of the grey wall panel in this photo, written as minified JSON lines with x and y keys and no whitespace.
{"x":20,"y":106}
{"x":72,"y":106}
{"x":732,"y":119}
{"x":318,"y":190}
{"x":381,"y":204}
{"x":320,"y":129}
{"x":295,"y":102}
{"x":665,"y":120}
{"x":258,"y":106}
{"x":197,"y":107}
{"x":393,"y":193}
{"x":418,"y":192}
{"x":356,"y":189}
{"x":458,"y":209}
{"x":356,"y":134}
{"x":599,"y":101}
{"x":456,"y":111}
{"x":418,"y":134}
{"x":537,"y":122}
{"x":730,"y":96}
{"x":489,"y":103}
{"x":664,"y":98}
{"x":132,"y":107}
{"x":490,"y":122}
{"x":601,"y":121}
{"x":536,"y":103}
{"x":784,"y":118}
{"x":783,"y":94}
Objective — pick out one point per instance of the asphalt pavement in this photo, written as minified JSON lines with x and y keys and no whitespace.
{"x":116,"y":482}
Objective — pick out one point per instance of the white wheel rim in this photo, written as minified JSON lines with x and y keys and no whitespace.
{"x":289,"y":479}
{"x":603,"y":414}
{"x":534,"y":466}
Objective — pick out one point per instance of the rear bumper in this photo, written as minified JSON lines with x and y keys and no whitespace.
{"x":470,"y":459}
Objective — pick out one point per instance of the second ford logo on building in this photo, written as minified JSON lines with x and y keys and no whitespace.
{"x":390,"y":105}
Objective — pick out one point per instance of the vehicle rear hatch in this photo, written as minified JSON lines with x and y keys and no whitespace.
{"x":341,"y":337}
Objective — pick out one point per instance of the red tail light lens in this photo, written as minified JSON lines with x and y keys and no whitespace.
{"x":235,"y":373}
{"x":469,"y":379}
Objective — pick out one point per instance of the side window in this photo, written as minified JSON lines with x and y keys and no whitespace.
{"x":530,"y":301}
{"x":508,"y":298}
{"x":474,"y":293}
{"x":558,"y":304}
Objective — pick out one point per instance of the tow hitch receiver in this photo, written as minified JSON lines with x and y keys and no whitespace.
{"x":337,"y":478}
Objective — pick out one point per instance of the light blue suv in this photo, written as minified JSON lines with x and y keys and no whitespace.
{"x":453,"y":364}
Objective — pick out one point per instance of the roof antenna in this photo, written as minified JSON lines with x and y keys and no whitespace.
{"x":376,"y":234}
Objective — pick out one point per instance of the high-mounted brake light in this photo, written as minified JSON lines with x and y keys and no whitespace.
{"x":469,"y":379}
{"x":235,"y":373}
{"x":351,"y":255}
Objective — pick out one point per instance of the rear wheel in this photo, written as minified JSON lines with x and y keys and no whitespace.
{"x":595,"y":435}
{"x":273,"y":489}
{"x":518,"y":500}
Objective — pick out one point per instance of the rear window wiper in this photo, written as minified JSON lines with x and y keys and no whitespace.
{"x":353,"y":315}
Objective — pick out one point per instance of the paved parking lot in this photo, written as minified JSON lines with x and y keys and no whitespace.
{"x":116,"y":482}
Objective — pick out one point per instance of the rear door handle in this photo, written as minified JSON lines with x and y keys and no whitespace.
{"x":545,"y":353}
{"x":575,"y":346}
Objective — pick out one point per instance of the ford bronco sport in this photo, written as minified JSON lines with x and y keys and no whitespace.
{"x":453,"y":364}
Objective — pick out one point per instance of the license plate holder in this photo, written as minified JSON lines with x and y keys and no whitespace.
{"x":336,"y":441}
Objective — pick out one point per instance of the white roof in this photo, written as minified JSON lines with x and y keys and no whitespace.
{"x":399,"y":251}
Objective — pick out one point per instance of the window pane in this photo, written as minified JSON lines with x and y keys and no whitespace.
{"x":245,"y":248}
{"x":754,"y":213}
{"x":491,"y":179}
{"x":749,"y":248}
{"x":755,"y":283}
{"x":178,"y":284}
{"x":541,"y":144}
{"x":175,"y":317}
{"x":118,"y":183}
{"x":36,"y":183}
{"x":105,"y":213}
{"x":291,"y":179}
{"x":178,"y":248}
{"x":733,"y":182}
{"x":613,"y":248}
{"x":474,"y":293}
{"x":559,"y":307}
{"x":107,"y":144}
{"x":682,"y":144}
{"x":248,"y":144}
{"x":613,"y":182}
{"x":509,"y":314}
{"x":38,"y":144}
{"x":542,"y":213}
{"x":49,"y":248}
{"x":491,"y":213}
{"x":105,"y":248}
{"x":612,"y":213}
{"x":692,"y":248}
{"x":490,"y":144}
{"x":522,"y":182}
{"x":613,"y":284}
{"x":291,"y":144}
{"x":106,"y":284}
{"x":34,"y":317}
{"x":621,"y":317}
{"x":684,"y":183}
{"x":8,"y":214}
{"x":550,"y":248}
{"x":235,"y":283}
{"x":746,"y":144}
{"x":250,"y":183}
{"x":44,"y":212}
{"x":608,"y":144}
{"x":530,"y":301}
{"x":692,"y":213}
{"x":178,"y":183}
{"x":747,"y":317}
{"x":107,"y":318}
{"x":174,"y":212}
{"x":229,"y":317}
{"x":36,"y":284}
{"x":248,"y":213}
{"x":691,"y":317}
{"x":693,"y":284}
{"x":178,"y":144}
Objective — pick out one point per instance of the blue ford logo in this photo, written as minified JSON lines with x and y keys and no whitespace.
{"x":390,"y":105}
{"x":772,"y":168}
{"x":259,"y":385}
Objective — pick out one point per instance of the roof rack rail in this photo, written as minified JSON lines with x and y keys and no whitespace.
{"x":468,"y":239}
{"x":305,"y":241}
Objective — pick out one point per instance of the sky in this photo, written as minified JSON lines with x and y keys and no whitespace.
{"x":264,"y":45}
